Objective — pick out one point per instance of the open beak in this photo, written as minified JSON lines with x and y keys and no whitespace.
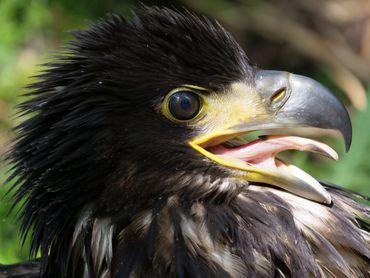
{"x":276,"y":100}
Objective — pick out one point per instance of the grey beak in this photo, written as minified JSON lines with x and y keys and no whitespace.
{"x":306,"y":103}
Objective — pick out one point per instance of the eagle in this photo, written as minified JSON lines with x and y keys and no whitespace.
{"x":132,"y":160}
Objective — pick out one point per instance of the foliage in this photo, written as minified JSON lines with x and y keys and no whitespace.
{"x":354,"y":169}
{"x":11,"y":247}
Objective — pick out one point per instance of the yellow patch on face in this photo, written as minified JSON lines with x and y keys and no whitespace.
{"x":222,"y":112}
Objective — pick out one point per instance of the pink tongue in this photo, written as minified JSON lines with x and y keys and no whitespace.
{"x":264,"y":149}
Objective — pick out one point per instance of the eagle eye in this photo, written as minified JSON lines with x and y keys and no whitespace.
{"x":184,"y":105}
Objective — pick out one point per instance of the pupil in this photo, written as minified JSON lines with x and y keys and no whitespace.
{"x":185,"y":104}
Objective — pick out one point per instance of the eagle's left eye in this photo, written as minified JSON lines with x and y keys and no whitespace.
{"x":184,"y":105}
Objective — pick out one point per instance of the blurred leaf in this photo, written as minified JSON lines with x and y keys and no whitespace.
{"x":11,"y":250}
{"x":354,"y":169}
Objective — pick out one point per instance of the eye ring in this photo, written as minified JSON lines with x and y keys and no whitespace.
{"x":182,"y":105}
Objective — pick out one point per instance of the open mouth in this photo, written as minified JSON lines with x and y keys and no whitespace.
{"x":262,"y":152}
{"x":258,"y":160}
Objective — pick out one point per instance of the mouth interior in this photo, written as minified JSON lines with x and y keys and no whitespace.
{"x":261,"y":153}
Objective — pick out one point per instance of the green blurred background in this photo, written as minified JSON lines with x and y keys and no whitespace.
{"x":328,"y":40}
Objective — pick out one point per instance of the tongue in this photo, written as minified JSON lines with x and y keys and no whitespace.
{"x":264,"y":149}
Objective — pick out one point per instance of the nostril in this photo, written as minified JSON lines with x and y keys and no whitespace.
{"x":278,"y":95}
